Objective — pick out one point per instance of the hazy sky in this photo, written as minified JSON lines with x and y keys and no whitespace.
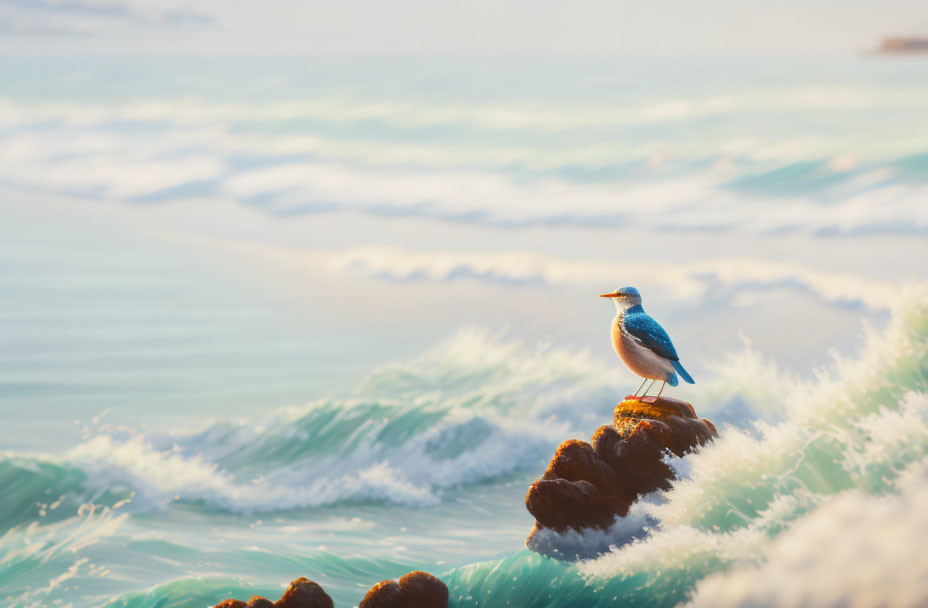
{"x":478,"y":27}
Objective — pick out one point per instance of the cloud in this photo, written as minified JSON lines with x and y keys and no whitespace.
{"x":684,"y":280}
{"x":90,"y":17}
{"x":498,"y":115}
{"x":401,"y":174}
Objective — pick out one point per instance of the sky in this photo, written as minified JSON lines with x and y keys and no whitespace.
{"x":475,"y":28}
{"x":250,"y":230}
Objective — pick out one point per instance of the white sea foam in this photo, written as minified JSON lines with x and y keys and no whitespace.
{"x":479,"y":407}
{"x":855,"y":550}
{"x":685,"y":280}
{"x":574,"y":544}
{"x":474,"y":409}
{"x":191,"y":144}
{"x":845,"y":436}
{"x":498,"y":114}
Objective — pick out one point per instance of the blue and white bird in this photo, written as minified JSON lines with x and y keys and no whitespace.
{"x":642,"y":343}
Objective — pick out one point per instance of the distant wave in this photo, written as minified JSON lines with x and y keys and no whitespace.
{"x":479,"y":407}
{"x":542,"y":113}
{"x":685,"y":279}
{"x":475,"y":408}
{"x":328,"y":160}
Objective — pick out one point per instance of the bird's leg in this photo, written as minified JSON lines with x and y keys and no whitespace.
{"x":645,"y":394}
{"x":663,"y":384}
{"x":640,"y":387}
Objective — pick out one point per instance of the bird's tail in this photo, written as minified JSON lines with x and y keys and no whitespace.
{"x":683,"y":373}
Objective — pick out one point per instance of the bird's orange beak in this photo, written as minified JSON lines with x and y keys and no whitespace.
{"x":614,"y":294}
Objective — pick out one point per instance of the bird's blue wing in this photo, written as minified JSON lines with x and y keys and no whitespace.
{"x":650,"y":334}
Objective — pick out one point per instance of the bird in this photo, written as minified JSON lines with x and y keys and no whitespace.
{"x":642,"y":343}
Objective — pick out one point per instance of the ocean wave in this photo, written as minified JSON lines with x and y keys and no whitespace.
{"x":539,"y":114}
{"x":844,"y":469}
{"x":732,"y":276}
{"x":870,"y":558}
{"x":38,"y":562}
{"x":849,"y":447}
{"x":479,"y":407}
{"x":38,"y":487}
{"x":325,"y":567}
{"x":187,"y":150}
{"x":475,"y":408}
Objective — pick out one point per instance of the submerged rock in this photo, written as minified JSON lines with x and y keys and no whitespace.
{"x":414,"y":590}
{"x":589,"y":485}
{"x":302,"y":593}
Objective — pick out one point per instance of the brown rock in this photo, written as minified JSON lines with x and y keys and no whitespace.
{"x":685,"y":431}
{"x":304,"y":593}
{"x":384,"y":594}
{"x":588,"y":485}
{"x":637,"y":461}
{"x":577,"y":461}
{"x":423,"y":589}
{"x":562,"y":504}
{"x":414,"y":590}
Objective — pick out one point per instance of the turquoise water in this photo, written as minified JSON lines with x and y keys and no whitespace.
{"x":264,"y":319}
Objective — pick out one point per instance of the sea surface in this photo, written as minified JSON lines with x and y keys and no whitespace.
{"x":263,"y":318}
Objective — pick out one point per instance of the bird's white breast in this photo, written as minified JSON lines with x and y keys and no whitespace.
{"x":641,"y":360}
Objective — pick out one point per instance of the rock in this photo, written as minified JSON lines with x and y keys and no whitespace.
{"x":304,"y":593}
{"x":576,"y":461}
{"x":414,"y":590}
{"x":424,"y":590}
{"x":590,"y":484}
{"x":383,"y":595}
{"x":673,"y":423}
{"x":561,"y":503}
{"x":636,"y":460}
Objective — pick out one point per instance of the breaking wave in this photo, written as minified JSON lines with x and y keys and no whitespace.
{"x":475,"y":408}
{"x":849,"y":463}
{"x":845,"y":456}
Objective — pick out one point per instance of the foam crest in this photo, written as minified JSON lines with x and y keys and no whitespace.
{"x":740,"y":276}
{"x":38,"y":561}
{"x":870,"y":558}
{"x":476,"y":408}
{"x":853,"y":432}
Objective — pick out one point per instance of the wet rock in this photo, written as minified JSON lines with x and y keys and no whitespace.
{"x":576,"y":461}
{"x":561,"y":503}
{"x":302,"y":593}
{"x":414,"y":590}
{"x":637,"y":461}
{"x":590,"y":484}
{"x":425,"y":590}
{"x":382,"y":595}
{"x":673,"y":423}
